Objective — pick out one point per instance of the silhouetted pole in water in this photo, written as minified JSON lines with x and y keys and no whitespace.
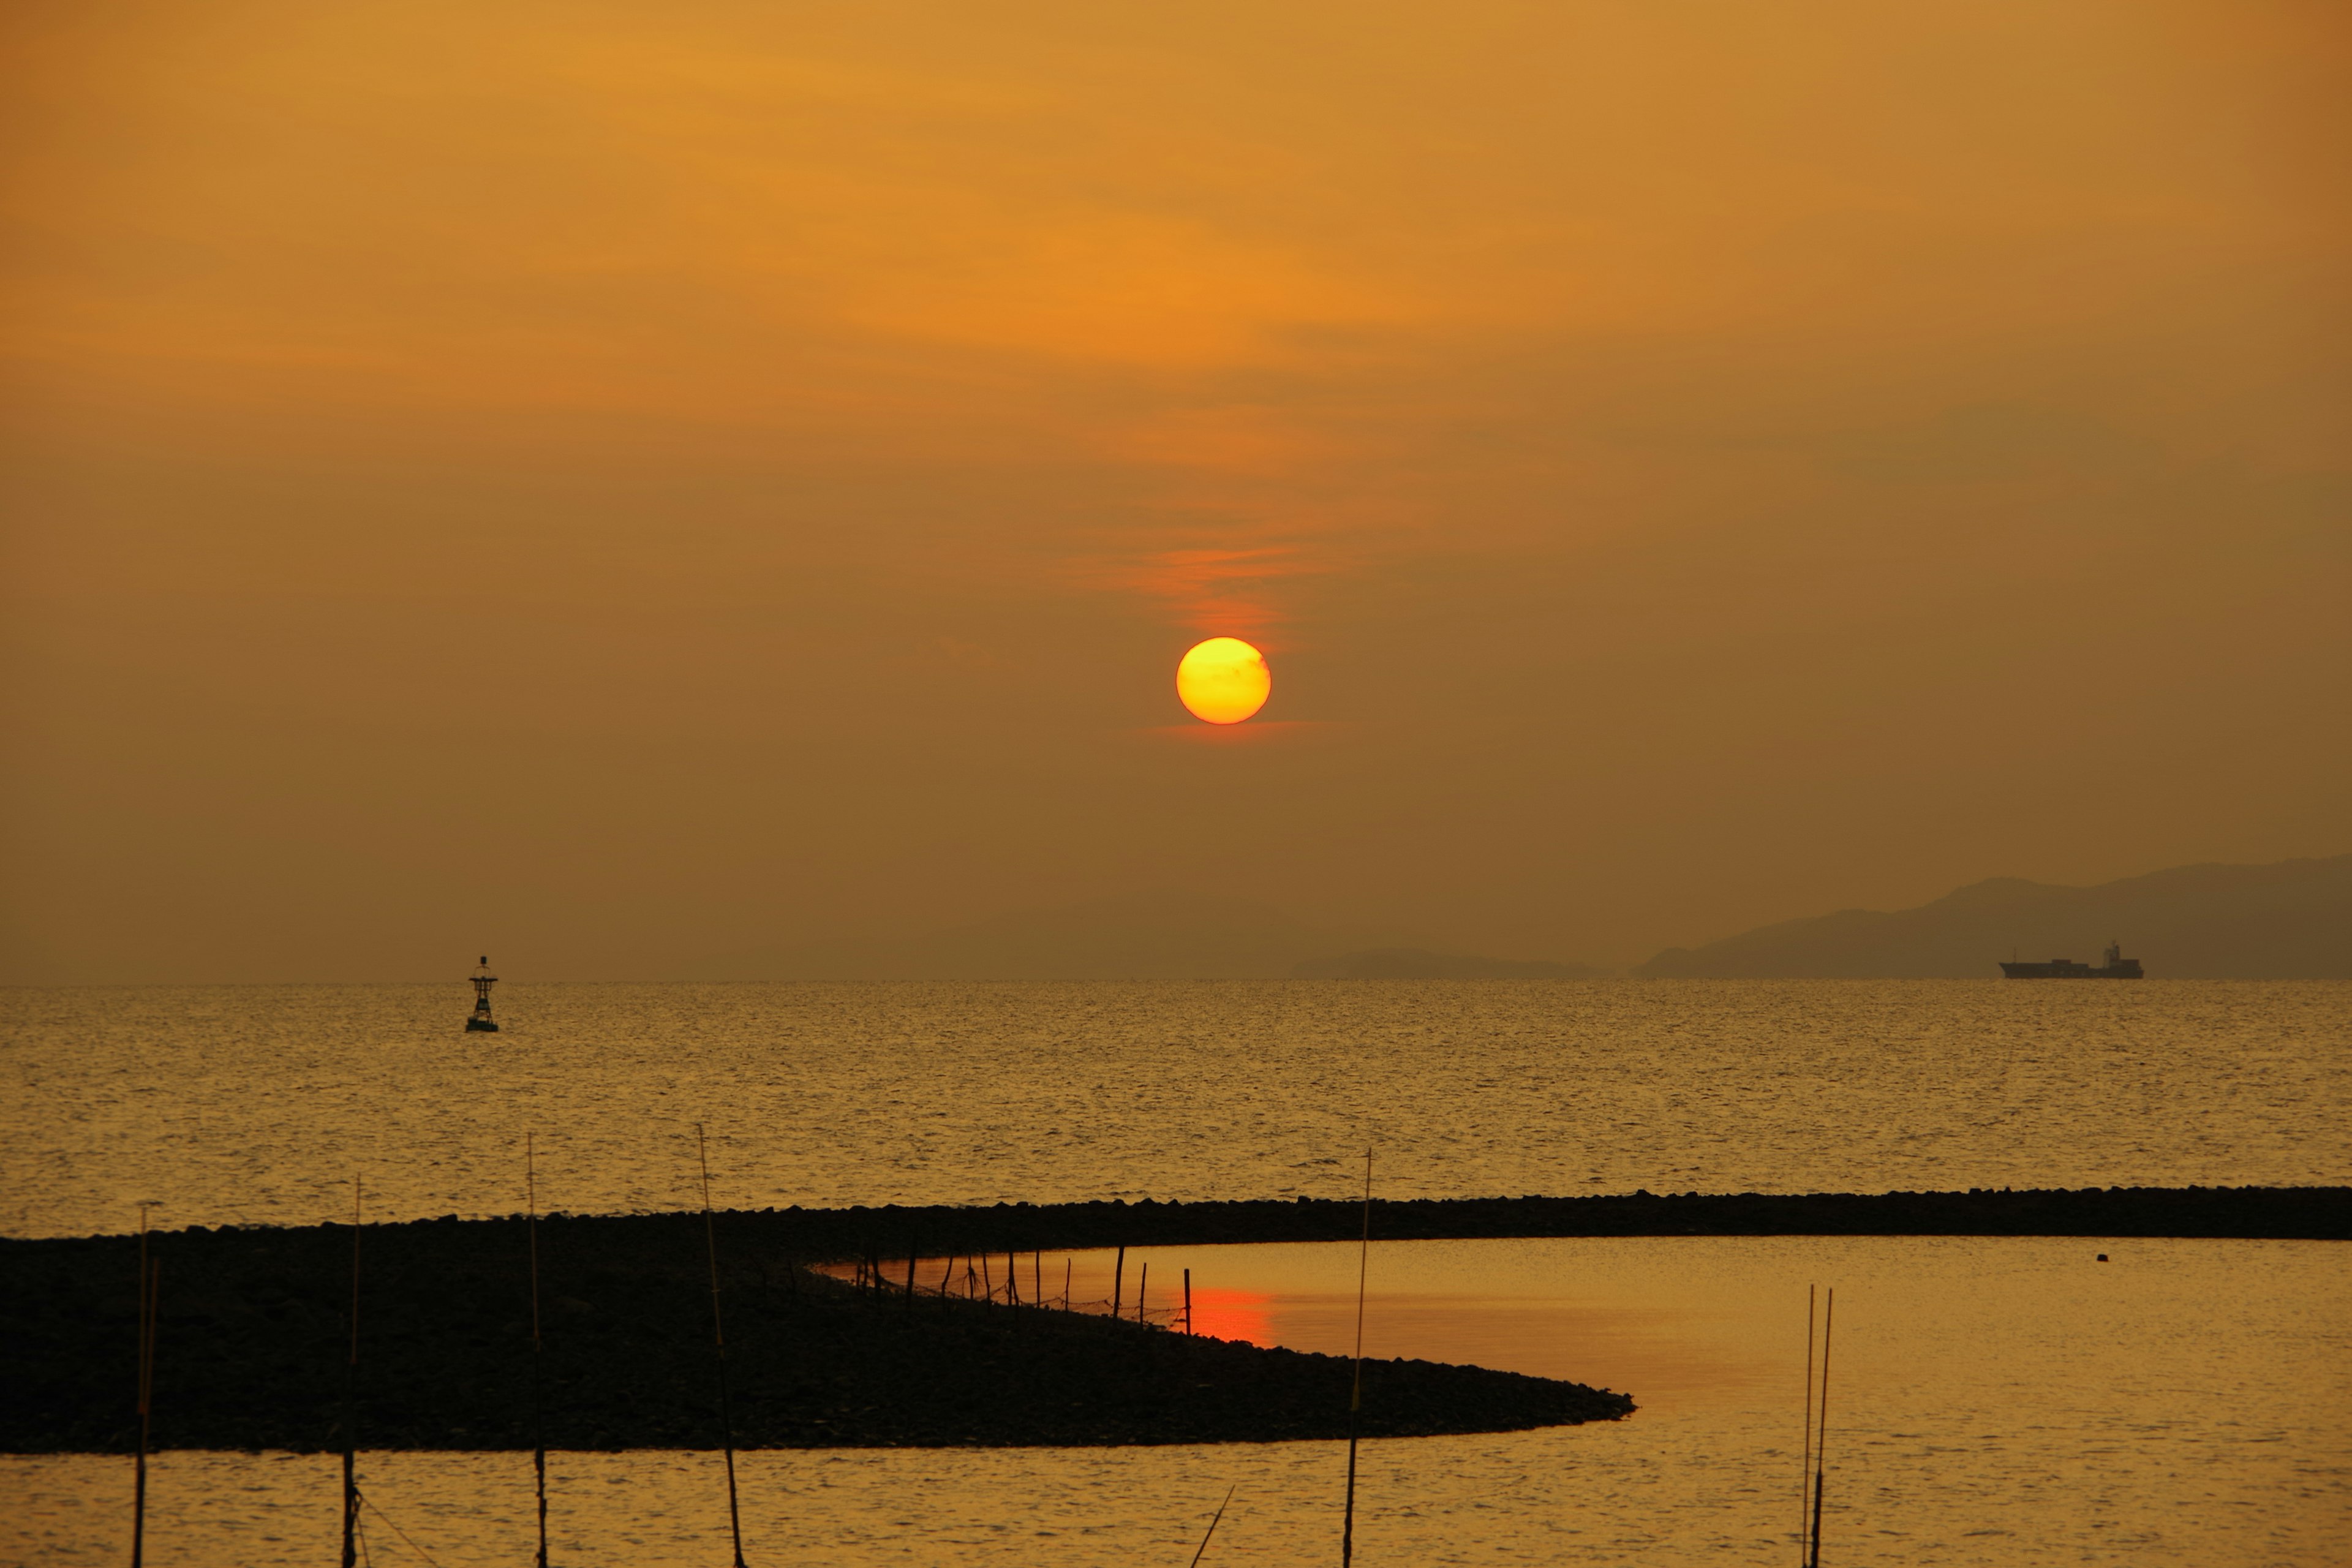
{"x":351,"y":1403}
{"x":1142,"y":1288}
{"x":910,"y":1275}
{"x":1356,"y":1389}
{"x":538,"y":1431}
{"x":1821,"y":1440}
{"x":1118,"y":1282}
{"x":151,"y":1291}
{"x":1065,"y":1284}
{"x":1805,"y":1462}
{"x":719,"y":1338}
{"x":1211,"y":1530}
{"x":1188,"y":1309}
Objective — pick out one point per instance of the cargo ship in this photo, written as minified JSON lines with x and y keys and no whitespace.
{"x":2118,"y":967}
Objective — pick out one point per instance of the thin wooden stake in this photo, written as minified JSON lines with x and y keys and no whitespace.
{"x":1065,"y":1284}
{"x":1805,"y":1465}
{"x":719,"y":1337}
{"x":351,"y":1403}
{"x":1118,"y":1282}
{"x":1356,"y":1391}
{"x":149,"y":1294}
{"x":1211,"y":1530}
{"x":537,"y":1427}
{"x":1188,"y":1303}
{"x":1820,"y":1438}
{"x":910,"y":1275}
{"x":1142,"y":1288}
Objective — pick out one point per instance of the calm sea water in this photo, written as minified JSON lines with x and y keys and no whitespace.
{"x":259,"y":1104}
{"x":2000,"y":1400}
{"x":1994,"y":1401}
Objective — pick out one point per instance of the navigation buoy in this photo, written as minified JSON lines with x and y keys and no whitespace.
{"x":483,"y":980}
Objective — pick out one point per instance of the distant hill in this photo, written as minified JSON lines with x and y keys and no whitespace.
{"x":1419,"y":964}
{"x":2288,"y":921}
{"x":1154,"y":936}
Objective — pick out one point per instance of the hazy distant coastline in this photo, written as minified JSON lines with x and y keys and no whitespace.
{"x":2288,"y":921}
{"x":2292,"y":919}
{"x":1162,"y":935}
{"x":1420,"y":964}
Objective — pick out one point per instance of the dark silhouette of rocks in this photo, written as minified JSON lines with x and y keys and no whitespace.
{"x":254,"y":1337}
{"x":2319,"y":1214}
{"x":254,"y":1329}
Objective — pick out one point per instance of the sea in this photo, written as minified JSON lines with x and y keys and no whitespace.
{"x":1993,"y":1400}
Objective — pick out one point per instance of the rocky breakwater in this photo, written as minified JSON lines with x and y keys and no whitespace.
{"x":254,"y":1337}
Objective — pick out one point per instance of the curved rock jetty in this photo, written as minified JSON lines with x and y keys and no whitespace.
{"x":254,"y":1339}
{"x":254,"y":1330}
{"x":2280,"y":1214}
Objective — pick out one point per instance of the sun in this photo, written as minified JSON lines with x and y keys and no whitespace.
{"x":1223,"y":681}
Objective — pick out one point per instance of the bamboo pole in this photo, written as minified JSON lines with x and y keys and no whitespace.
{"x":1820,"y":1438}
{"x":1211,"y":1530}
{"x":351,"y":1403}
{"x":1356,"y":1390}
{"x":1188,"y":1303}
{"x":1065,"y":1284}
{"x":538,"y":1427}
{"x":150,"y":1293}
{"x":1805,"y":1461}
{"x":719,"y":1337}
{"x":1118,"y":1282}
{"x":1142,"y":1288}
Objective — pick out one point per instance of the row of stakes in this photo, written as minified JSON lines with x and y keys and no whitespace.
{"x":869,"y":1275}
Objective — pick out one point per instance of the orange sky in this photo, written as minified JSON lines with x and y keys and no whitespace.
{"x":619,"y":484}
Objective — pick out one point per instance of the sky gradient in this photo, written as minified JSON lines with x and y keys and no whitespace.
{"x":612,"y":487}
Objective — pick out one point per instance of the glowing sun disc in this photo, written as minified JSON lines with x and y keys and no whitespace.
{"x":1223,"y":681}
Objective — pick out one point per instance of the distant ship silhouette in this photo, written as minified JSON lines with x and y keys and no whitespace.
{"x":2118,"y":967}
{"x":483,"y":980}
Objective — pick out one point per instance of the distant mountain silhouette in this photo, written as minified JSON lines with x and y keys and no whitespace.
{"x":2288,"y":921}
{"x":1419,"y":964}
{"x":1154,"y":936}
